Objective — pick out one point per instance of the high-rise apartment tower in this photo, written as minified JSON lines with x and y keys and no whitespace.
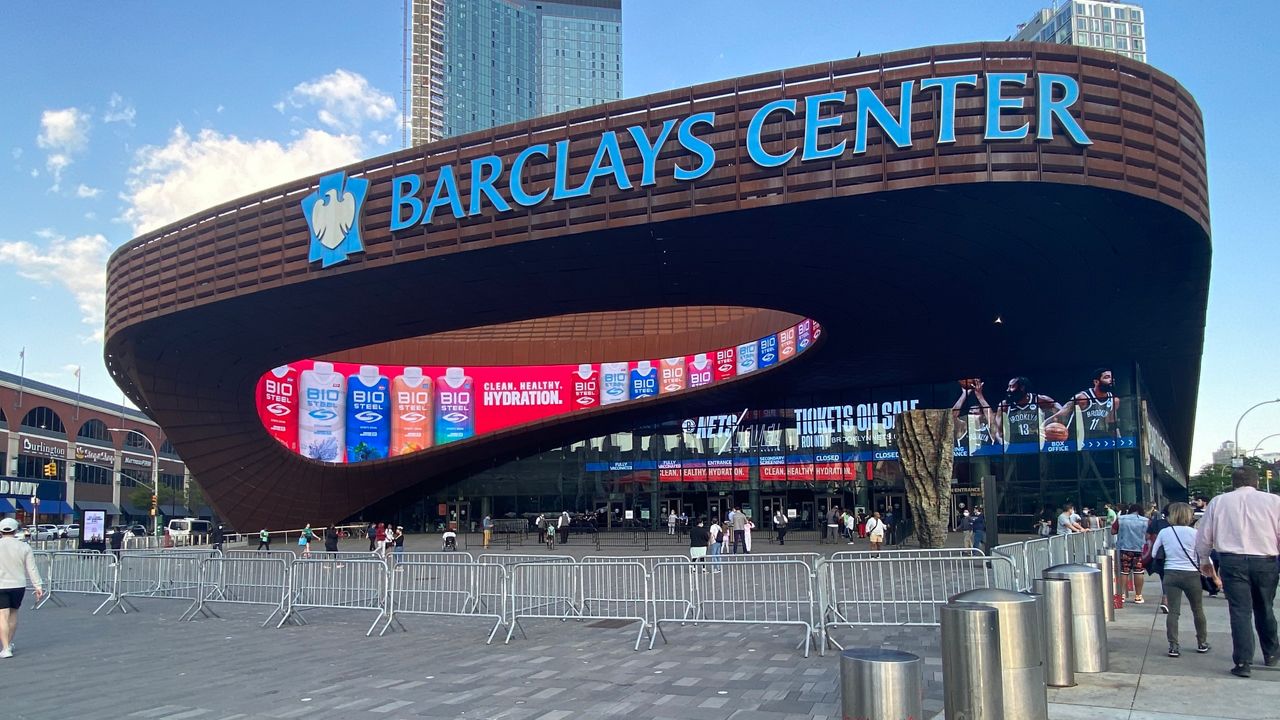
{"x":1114,"y":26}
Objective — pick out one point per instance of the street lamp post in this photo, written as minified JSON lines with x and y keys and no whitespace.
{"x":1235,"y":460}
{"x":155,"y":473}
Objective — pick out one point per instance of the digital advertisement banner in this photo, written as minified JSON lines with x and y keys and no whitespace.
{"x":346,"y":413}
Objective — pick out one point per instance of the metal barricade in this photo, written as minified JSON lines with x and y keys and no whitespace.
{"x":443,"y":588}
{"x":617,"y":590}
{"x":771,"y":592}
{"x":242,"y":581}
{"x":907,"y":554}
{"x":1039,"y":558}
{"x":171,"y":575}
{"x":89,"y":573}
{"x":342,"y":584}
{"x":451,"y":557}
{"x":810,"y":559}
{"x":541,"y":590}
{"x":287,"y":556}
{"x":1057,"y":549}
{"x":490,"y":594}
{"x":889,"y":591}
{"x":1017,"y":555}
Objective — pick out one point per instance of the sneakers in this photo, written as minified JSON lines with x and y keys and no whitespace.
{"x":1270,"y":660}
{"x":1164,"y":608}
{"x":1202,"y":647}
{"x":1137,"y":600}
{"x":1174,"y":651}
{"x":1243,"y":671}
{"x":6,"y":653}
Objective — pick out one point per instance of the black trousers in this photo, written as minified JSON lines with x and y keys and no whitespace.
{"x":1250,"y":585}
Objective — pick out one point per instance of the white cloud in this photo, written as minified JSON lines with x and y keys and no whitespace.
{"x":187,"y":175}
{"x":84,"y":191}
{"x":16,"y":153}
{"x":63,"y":133}
{"x":119,"y":111}
{"x":79,"y":265}
{"x":345,"y":100}
{"x":35,"y":172}
{"x":380,"y":138}
{"x":219,"y":109}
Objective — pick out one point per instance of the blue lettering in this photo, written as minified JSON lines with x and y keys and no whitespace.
{"x":947,"y":102}
{"x":1047,"y":108}
{"x":445,"y":193}
{"x":995,"y":104}
{"x":649,"y":152}
{"x":610,"y":153}
{"x":754,"y":147}
{"x":484,"y":173}
{"x":518,"y":193}
{"x":696,"y":145}
{"x":814,"y":123}
{"x":871,"y":107}
{"x":561,"y":191}
{"x":404,"y":191}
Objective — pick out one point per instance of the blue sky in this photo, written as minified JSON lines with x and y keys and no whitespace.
{"x":123,"y":116}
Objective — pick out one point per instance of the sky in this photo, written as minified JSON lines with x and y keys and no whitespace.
{"x":121,"y":117}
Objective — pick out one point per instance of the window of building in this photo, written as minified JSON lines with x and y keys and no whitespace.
{"x":1084,"y":39}
{"x":1107,"y":27}
{"x":1106,"y":11}
{"x":94,"y":430}
{"x":1095,"y":25}
{"x":167,"y":448}
{"x":31,"y":466}
{"x":133,"y":478}
{"x":1135,"y":30}
{"x":1095,"y":40}
{"x":1107,"y":42}
{"x":1122,"y":13}
{"x":3,"y":422}
{"x":1139,"y":57}
{"x":1081,"y":9}
{"x":45,"y":420}
{"x":1122,"y":43}
{"x":1082,"y":23}
{"x":1137,"y":45}
{"x":1135,"y":15}
{"x":92,"y":474}
{"x":1122,"y":28}
{"x":137,"y":440}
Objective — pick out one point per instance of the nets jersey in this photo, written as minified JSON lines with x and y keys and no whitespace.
{"x":1022,"y":421}
{"x":1097,"y":416}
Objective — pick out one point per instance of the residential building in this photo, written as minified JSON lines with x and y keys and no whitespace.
{"x":1113,"y":26}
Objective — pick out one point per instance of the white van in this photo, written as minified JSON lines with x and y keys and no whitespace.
{"x":188,"y":526}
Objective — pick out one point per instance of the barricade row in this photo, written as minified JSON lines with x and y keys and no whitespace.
{"x":817,"y":595}
{"x":1031,"y":558}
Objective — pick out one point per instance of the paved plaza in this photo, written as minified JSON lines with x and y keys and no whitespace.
{"x":149,"y":665}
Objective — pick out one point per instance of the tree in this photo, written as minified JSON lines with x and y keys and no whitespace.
{"x":926,"y":439}
{"x":1214,"y":479}
{"x":140,"y":496}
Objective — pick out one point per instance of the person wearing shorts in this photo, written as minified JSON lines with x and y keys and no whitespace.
{"x":17,"y":566}
{"x":1130,"y":530}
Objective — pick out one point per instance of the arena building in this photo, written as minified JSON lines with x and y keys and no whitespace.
{"x":714,"y":296}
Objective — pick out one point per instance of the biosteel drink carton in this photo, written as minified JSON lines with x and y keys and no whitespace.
{"x":411,"y":414}
{"x":278,"y":405}
{"x":320,"y":424}
{"x":746,"y":358}
{"x":613,"y":383}
{"x":700,"y":370}
{"x":726,"y":363}
{"x":455,"y":406}
{"x":673,"y":378}
{"x":586,"y":386}
{"x":644,"y":380}
{"x":768,"y":351}
{"x":368,"y":415}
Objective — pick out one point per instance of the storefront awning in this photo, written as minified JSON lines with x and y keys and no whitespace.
{"x":134,"y":510}
{"x":6,"y":506}
{"x":108,"y":508}
{"x":47,"y":507}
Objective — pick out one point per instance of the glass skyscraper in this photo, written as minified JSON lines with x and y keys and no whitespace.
{"x":1113,"y":26}
{"x":476,"y":64}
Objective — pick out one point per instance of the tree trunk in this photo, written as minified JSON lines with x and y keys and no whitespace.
{"x":926,"y":439}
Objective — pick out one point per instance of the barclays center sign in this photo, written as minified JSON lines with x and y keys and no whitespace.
{"x":333,"y":211}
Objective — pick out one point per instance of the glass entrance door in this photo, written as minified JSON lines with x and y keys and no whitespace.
{"x":459,"y":515}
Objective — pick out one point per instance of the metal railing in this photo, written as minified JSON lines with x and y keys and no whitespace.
{"x":242,"y":581}
{"x":1032,"y":557}
{"x":343,"y":584}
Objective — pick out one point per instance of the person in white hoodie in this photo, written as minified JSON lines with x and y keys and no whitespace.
{"x":17,"y":565}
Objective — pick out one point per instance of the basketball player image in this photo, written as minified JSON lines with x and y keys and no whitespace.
{"x":1097,"y":407}
{"x":973,"y":416}
{"x":1019,"y":416}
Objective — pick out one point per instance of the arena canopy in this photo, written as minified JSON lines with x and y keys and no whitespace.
{"x":926,"y":212}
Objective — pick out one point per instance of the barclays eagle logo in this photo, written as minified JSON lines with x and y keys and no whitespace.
{"x":333,"y":215}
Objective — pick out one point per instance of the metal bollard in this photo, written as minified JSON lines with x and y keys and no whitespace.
{"x":1107,"y":565}
{"x":1059,"y":652}
{"x":1021,"y":637}
{"x":1088,"y":623}
{"x":878,"y":684}
{"x":970,"y":655}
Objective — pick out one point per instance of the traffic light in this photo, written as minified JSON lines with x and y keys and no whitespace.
{"x":1268,"y":476}
{"x":155,"y":502}
{"x":51,"y":469}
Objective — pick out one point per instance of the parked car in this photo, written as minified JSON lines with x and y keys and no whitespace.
{"x":46,"y":532}
{"x":63,"y":531}
{"x":136,"y":529}
{"x":73,"y":531}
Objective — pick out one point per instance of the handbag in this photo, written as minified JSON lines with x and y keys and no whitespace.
{"x":1206,"y":584}
{"x":302,"y":541}
{"x":1157,"y":563}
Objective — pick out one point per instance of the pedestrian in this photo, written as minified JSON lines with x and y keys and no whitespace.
{"x":17,"y":567}
{"x":746,"y":535}
{"x":371,"y":532}
{"x":117,"y":540}
{"x":1155,"y":523}
{"x":739,"y":524}
{"x":1068,"y":520}
{"x":672,"y":518}
{"x":1243,"y":526}
{"x":966,"y":527}
{"x":1112,"y":515}
{"x":833,"y":523}
{"x":850,"y":526}
{"x":331,"y":539}
{"x":875,"y":531}
{"x":562,"y":526}
{"x":1130,"y":530}
{"x":215,"y":537}
{"x":1182,"y":575}
{"x":304,"y":541}
{"x":487,"y":525}
{"x":549,"y":533}
{"x":716,"y":540}
{"x":888,"y":524}
{"x":780,"y":525}
{"x":699,"y":538}
{"x":380,"y":540}
{"x":979,"y":528}
{"x":264,"y":540}
{"x":398,"y":542}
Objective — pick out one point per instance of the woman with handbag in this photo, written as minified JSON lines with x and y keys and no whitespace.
{"x":1175,"y":549}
